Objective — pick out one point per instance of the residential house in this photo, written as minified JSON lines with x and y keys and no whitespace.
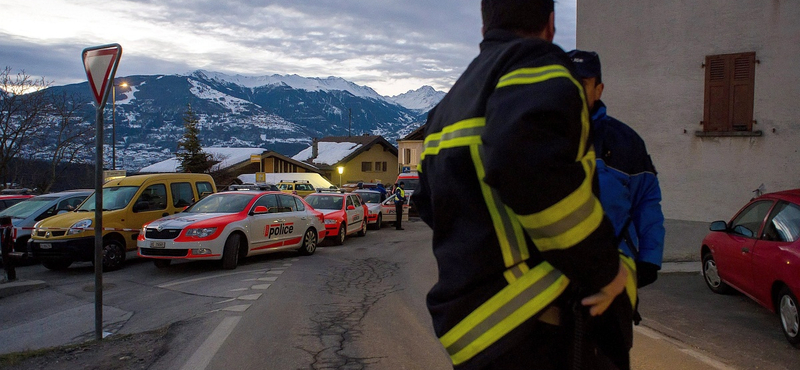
{"x":410,"y":149}
{"x":365,"y":158}
{"x":232,"y":162}
{"x":712,"y":88}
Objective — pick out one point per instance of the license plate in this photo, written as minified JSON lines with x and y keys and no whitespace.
{"x":45,"y":246}
{"x":158,"y":244}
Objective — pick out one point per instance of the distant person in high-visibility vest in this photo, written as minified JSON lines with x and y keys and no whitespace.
{"x":399,"y":201}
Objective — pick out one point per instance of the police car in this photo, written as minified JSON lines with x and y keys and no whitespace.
{"x":345,"y":213}
{"x":230,"y":226}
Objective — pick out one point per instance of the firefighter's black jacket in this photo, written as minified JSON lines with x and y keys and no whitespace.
{"x":507,"y":157}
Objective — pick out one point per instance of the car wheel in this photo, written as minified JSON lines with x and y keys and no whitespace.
{"x":309,"y":243}
{"x":340,"y":237}
{"x":788,"y":311}
{"x":363,"y":230}
{"x":55,"y":265}
{"x":162,"y":263}
{"x":711,"y":275}
{"x":113,"y":255}
{"x":230,"y":253}
{"x":379,"y":224}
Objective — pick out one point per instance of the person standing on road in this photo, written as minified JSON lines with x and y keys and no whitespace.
{"x":629,"y":189}
{"x":399,"y":201}
{"x":529,"y":273}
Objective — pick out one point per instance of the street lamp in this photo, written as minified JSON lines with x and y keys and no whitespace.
{"x":114,"y":124}
{"x":341,"y":170}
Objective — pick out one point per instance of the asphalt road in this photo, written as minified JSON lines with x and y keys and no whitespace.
{"x":356,"y":306}
{"x":730,"y":328}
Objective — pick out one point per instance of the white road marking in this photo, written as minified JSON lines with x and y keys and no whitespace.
{"x":226,"y":301}
{"x":269,"y":278}
{"x":202,"y":357}
{"x":179,"y":282}
{"x":260,"y":286}
{"x":287,"y":264}
{"x":681,"y":347}
{"x":249,"y":297}
{"x":238,"y":290}
{"x":274,"y":272}
{"x":239,"y":308}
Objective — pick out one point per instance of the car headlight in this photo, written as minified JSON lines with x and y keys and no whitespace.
{"x":329,"y":221}
{"x":204,"y":232}
{"x":79,"y":227}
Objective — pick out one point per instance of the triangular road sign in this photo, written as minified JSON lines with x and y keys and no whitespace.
{"x":101,"y":63}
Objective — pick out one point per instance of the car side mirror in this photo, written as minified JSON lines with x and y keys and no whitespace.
{"x":260,"y":210}
{"x":718,"y":226}
{"x":350,"y":208}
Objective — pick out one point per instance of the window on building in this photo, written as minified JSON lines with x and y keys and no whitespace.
{"x":384,"y":165}
{"x":406,"y":156}
{"x":366,"y":166}
{"x":729,"y":89}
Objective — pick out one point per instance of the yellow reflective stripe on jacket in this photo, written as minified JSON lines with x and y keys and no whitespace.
{"x":459,"y":134}
{"x":631,"y":285}
{"x":509,"y":233}
{"x":511,"y":237}
{"x":513,"y":305}
{"x":526,"y":76}
{"x":571,"y":219}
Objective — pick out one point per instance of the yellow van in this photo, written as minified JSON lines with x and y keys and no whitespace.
{"x":128,"y":203}
{"x":296,"y":187}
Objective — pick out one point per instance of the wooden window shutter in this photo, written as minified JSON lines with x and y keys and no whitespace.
{"x":742,"y":89}
{"x":717,"y":94}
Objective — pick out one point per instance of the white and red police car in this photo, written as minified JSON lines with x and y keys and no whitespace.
{"x":230,"y":226}
{"x":345,"y":213}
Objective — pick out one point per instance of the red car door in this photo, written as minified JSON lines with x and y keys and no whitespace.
{"x":734,"y":253}
{"x":771,"y":255}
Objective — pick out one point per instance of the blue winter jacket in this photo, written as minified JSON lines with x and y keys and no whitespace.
{"x":628,"y":186}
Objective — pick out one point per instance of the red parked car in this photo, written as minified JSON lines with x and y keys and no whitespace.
{"x":345,"y":213}
{"x":758,"y":254}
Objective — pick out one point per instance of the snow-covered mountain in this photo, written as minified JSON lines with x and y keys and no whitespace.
{"x":421,"y":100}
{"x":280,"y":113}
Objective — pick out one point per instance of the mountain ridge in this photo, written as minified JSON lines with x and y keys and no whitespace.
{"x":282,"y":113}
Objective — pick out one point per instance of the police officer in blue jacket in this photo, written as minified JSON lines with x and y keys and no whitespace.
{"x":629,"y":190}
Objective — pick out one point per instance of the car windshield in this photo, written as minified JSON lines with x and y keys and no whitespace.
{"x":370,"y":197}
{"x":116,"y":197}
{"x":325,"y":201}
{"x":26,"y":208}
{"x":409,"y":184}
{"x":221,"y":203}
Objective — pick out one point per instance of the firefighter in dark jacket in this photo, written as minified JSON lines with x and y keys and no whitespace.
{"x":525,"y":242}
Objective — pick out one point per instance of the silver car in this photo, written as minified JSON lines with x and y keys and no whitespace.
{"x":27,"y":213}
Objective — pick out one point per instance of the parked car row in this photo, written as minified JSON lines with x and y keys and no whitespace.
{"x":181,"y":216}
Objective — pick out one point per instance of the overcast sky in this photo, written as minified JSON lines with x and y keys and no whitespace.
{"x":390,"y":45}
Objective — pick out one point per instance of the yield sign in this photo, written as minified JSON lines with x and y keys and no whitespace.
{"x":101,"y":63}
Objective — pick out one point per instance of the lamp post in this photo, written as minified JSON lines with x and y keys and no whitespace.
{"x":341,"y":170}
{"x":114,"y":124}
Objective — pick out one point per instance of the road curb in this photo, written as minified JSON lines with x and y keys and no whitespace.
{"x":20,"y":286}
{"x":680,"y":267}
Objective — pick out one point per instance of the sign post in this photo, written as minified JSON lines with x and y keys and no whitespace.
{"x":100,"y":63}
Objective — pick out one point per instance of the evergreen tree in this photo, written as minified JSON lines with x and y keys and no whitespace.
{"x":190,"y":152}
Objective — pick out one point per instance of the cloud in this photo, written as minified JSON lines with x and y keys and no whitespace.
{"x":390,"y":45}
